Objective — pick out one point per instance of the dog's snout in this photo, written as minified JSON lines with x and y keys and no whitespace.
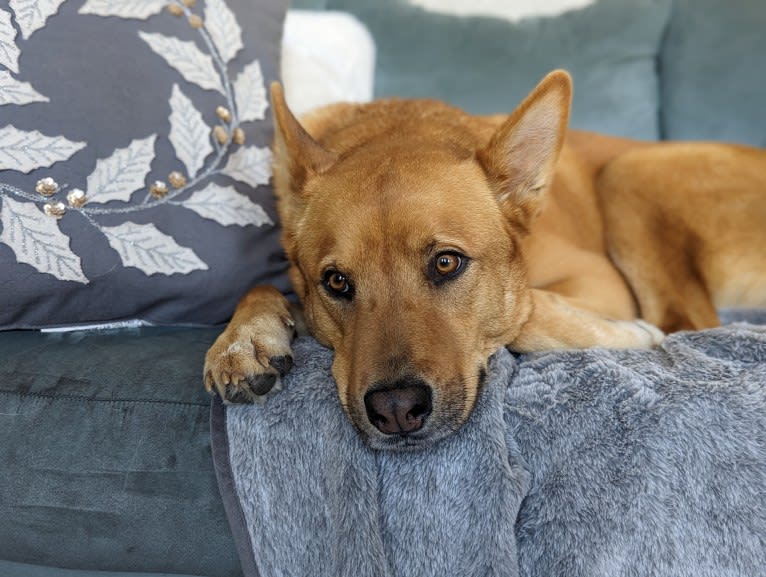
{"x":399,"y":409}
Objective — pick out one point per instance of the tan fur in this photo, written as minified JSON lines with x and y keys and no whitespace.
{"x":571,"y":240}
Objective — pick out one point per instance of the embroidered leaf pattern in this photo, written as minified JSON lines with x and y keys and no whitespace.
{"x":152,"y":252}
{"x":251,"y":165}
{"x":31,"y":15}
{"x":9,"y":52}
{"x":189,"y":134}
{"x":36,"y":240}
{"x":223,"y":28}
{"x":25,"y":151}
{"x":139,"y":9}
{"x":227,"y":207}
{"x":123,"y":173}
{"x":250,"y":93}
{"x":186,"y":58}
{"x":13,"y":91}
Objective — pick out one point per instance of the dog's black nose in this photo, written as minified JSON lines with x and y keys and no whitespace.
{"x":400,"y":408}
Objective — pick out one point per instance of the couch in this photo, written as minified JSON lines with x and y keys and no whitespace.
{"x":106,"y":464}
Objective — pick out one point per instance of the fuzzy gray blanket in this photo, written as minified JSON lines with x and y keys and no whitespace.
{"x":582,"y":463}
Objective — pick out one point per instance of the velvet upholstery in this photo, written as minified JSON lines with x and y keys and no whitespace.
{"x":105,"y":460}
{"x":487,"y":65}
{"x":711,"y":72}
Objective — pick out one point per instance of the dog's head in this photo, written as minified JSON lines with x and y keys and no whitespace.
{"x":402,"y":223}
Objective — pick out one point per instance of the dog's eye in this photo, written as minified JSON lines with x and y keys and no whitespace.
{"x":337,"y":284}
{"x":447,"y":265}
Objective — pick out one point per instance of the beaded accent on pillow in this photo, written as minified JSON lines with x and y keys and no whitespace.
{"x":30,"y":218}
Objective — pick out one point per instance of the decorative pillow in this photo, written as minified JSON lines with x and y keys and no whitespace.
{"x":711,"y":66}
{"x":488,"y":64}
{"x":134,"y":159}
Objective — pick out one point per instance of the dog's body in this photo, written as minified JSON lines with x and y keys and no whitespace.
{"x":422,"y":239}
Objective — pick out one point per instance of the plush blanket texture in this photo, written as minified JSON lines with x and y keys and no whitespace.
{"x":578,"y":463}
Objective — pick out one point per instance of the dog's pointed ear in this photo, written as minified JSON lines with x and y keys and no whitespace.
{"x":521,"y":156}
{"x":297,"y":156}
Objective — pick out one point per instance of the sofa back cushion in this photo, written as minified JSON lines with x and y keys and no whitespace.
{"x":134,"y":159}
{"x":487,"y":64}
{"x":712,"y":71}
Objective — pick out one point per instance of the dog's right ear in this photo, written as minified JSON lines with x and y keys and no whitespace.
{"x":297,"y":156}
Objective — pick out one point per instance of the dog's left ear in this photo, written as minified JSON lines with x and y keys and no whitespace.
{"x":521,"y":156}
{"x":297,"y":156}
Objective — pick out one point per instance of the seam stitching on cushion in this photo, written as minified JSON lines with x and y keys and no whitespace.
{"x":97,"y":400}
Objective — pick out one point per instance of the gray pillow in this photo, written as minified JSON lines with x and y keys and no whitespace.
{"x":487,"y":65}
{"x":713,"y":84}
{"x":134,"y":162}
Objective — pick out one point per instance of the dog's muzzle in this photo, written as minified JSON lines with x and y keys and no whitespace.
{"x":399,"y":408}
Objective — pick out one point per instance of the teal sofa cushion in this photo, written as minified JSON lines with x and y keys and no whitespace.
{"x":9,"y":569}
{"x":487,"y":65}
{"x":105,"y":462}
{"x":712,"y":71}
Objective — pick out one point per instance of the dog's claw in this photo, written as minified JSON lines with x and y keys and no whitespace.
{"x":282,"y":364}
{"x":236,"y":396}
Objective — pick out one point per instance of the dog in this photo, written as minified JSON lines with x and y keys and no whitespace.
{"x":421,"y":239}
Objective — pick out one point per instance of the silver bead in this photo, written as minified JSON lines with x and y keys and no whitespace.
{"x":47,"y":186}
{"x":158,"y":189}
{"x":220,"y":134}
{"x":223,"y":113}
{"x":54,"y":209}
{"x":177,"y":180}
{"x":76,"y":198}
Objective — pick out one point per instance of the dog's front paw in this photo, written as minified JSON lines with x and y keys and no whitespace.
{"x":248,"y":360}
{"x":656,"y":336}
{"x":244,"y":370}
{"x":641,"y":335}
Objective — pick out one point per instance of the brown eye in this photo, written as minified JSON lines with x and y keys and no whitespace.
{"x":447,"y":266}
{"x":337,"y":284}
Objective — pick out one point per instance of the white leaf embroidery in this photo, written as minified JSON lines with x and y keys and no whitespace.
{"x":152,"y":252}
{"x":189,"y":134}
{"x":250,"y":93}
{"x":140,"y":9}
{"x":25,"y":151}
{"x":123,"y":173}
{"x":227,"y":207}
{"x":222,"y":25}
{"x":36,"y":240}
{"x":251,"y":165}
{"x":31,"y":15}
{"x":13,"y":91}
{"x":9,"y":52}
{"x":190,"y":61}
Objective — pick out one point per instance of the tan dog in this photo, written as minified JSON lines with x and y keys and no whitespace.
{"x":422,"y":239}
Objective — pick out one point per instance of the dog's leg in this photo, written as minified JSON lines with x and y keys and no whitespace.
{"x":253,"y":352}
{"x":685,"y":224}
{"x":556,"y":322}
{"x":668,"y":286}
